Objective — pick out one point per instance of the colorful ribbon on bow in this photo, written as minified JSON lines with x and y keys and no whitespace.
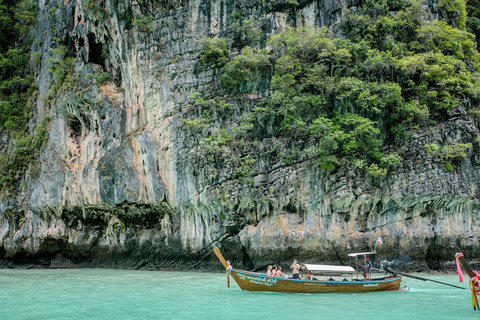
{"x":228,"y":269}
{"x":459,"y":269}
{"x":474,"y":288}
{"x":474,"y":281}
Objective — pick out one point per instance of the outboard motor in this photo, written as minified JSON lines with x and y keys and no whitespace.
{"x":387,"y":266}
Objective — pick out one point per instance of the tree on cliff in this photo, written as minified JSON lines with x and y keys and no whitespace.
{"x":16,"y":85}
{"x":342,"y":98}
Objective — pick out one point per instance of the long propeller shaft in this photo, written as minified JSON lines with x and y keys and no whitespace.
{"x":425,"y":279}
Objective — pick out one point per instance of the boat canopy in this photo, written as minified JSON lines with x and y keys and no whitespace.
{"x":361,"y":254}
{"x":324,"y":269}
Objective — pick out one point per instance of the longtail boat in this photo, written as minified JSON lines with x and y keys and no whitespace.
{"x":330,"y":279}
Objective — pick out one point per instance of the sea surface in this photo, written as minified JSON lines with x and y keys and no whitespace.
{"x":124,"y":294}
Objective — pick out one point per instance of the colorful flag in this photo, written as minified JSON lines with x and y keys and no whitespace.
{"x":380,"y":240}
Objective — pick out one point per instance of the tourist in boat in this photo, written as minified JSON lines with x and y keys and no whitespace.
{"x":269,"y":271}
{"x":368,"y":268}
{"x":308,"y":276}
{"x":279,"y":273}
{"x":274,"y":271}
{"x":295,"y":269}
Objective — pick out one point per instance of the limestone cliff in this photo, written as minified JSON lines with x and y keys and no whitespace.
{"x":116,"y":185}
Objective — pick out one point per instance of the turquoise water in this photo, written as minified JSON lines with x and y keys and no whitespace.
{"x":122,"y":294}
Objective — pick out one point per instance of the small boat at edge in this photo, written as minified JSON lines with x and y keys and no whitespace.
{"x":252,"y":281}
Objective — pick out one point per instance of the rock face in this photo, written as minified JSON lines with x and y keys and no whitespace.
{"x":117,"y":186}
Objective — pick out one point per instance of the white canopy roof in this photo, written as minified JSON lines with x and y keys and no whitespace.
{"x":360,"y":254}
{"x":327,"y":268}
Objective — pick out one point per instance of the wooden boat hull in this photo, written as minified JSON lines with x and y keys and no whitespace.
{"x":251,"y":281}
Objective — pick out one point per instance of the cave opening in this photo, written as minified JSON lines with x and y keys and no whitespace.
{"x":290,"y":208}
{"x":75,"y":125}
{"x":97,"y":52}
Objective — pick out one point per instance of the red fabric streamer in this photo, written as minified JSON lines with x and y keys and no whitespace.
{"x":459,"y":269}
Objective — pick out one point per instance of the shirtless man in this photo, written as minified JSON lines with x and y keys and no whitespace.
{"x":279,"y":273}
{"x":295,"y":269}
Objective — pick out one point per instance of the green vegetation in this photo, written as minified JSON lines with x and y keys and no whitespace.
{"x":342,"y":98}
{"x":17,"y":90}
{"x":94,"y":8}
{"x":449,"y":153}
{"x":221,"y":148}
{"x":453,"y":6}
{"x":246,"y":31}
{"x":103,"y":78}
{"x":214,"y":52}
{"x":242,"y":73}
{"x":473,"y":19}
{"x":16,"y":80}
{"x":345,"y":135}
{"x":143,"y":23}
{"x":62,"y":63}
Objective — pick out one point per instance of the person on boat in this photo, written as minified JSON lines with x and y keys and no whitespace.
{"x":368,"y":268}
{"x":279,"y":273}
{"x":269,"y":271}
{"x":295,"y":269}
{"x":274,"y":271}
{"x":308,"y":276}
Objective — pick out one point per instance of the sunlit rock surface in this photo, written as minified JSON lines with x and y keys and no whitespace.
{"x":117,"y":187}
